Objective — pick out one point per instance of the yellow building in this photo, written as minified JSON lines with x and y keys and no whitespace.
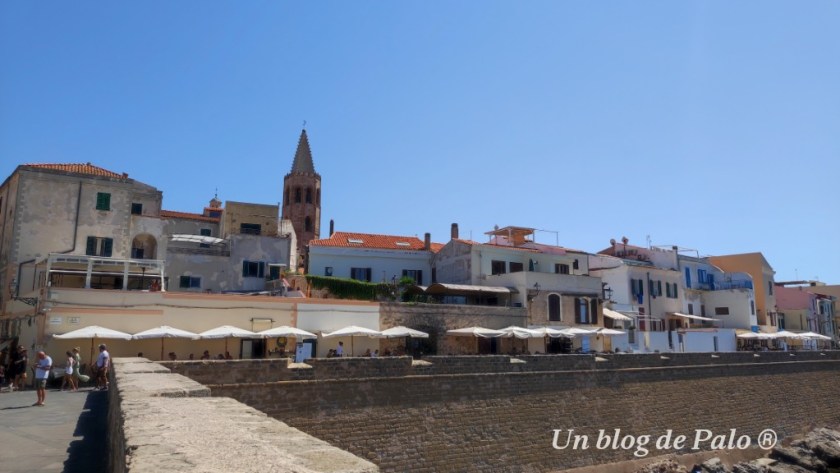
{"x":757,"y":266}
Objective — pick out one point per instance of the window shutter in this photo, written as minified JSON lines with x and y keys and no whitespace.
{"x":688,"y":277}
{"x":244,"y":269}
{"x":90,"y":250}
{"x":659,"y":288}
{"x":420,"y":277}
{"x":261,"y":270}
{"x":577,"y":310}
{"x":676,"y":291}
{"x":594,"y":309}
{"x":368,"y":273}
{"x":107,"y":246}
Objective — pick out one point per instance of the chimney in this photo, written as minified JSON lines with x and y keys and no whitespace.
{"x":454,"y":234}
{"x":332,"y":227}
{"x":427,"y":241}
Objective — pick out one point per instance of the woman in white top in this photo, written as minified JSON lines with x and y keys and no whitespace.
{"x":68,"y":374}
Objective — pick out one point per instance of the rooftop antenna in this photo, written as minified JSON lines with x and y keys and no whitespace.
{"x":648,"y":240}
{"x":304,"y":124}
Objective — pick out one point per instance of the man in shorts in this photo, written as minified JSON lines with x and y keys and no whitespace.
{"x":103,"y":363}
{"x":42,"y":374}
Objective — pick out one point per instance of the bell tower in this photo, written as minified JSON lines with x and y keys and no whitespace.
{"x":302,"y":198}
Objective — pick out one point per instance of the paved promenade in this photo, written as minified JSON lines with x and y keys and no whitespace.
{"x":67,"y":434}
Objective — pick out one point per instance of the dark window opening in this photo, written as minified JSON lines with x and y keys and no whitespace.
{"x":97,"y":246}
{"x":103,"y":201}
{"x":253,"y":269}
{"x":497,"y":267}
{"x":308,"y":195}
{"x":516,"y":267}
{"x":250,"y":228}
{"x":189,"y":282}
{"x":561,"y":268}
{"x":360,"y":274}
{"x":554,"y":308}
{"x":297,"y":195}
{"x":136,"y":209}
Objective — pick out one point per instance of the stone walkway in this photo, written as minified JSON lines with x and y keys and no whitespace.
{"x":67,"y":434}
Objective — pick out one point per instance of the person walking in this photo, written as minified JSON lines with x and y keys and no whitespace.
{"x":42,"y":374}
{"x":68,"y":372}
{"x":78,"y":367}
{"x":20,"y":362}
{"x":103,"y":363}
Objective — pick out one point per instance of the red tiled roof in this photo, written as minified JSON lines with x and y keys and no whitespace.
{"x":78,"y":168}
{"x":187,"y":215}
{"x":368,"y":240}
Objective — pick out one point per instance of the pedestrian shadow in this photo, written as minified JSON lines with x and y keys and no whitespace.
{"x":16,"y":407}
{"x":89,"y":454}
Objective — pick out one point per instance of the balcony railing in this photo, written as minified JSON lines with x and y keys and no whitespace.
{"x":721,"y":285}
{"x":199,"y":251}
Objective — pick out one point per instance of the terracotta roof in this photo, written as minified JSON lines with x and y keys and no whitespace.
{"x":368,"y":240}
{"x":188,"y":216}
{"x":78,"y":168}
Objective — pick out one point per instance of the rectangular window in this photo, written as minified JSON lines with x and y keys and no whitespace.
{"x":204,"y":232}
{"x":770,"y":287}
{"x":415,"y":274}
{"x":328,"y":271}
{"x":190,"y":282}
{"x":675,"y":292}
{"x":658,"y":288}
{"x":581,"y":311}
{"x":273,"y":273}
{"x":688,"y":278}
{"x":253,"y":269}
{"x":97,"y":246}
{"x":561,"y":268}
{"x":516,"y":267}
{"x":702,"y":310}
{"x":103,"y":201}
{"x":360,"y":274}
{"x":721,"y":310}
{"x":497,"y":267}
{"x":752,"y":307}
{"x":690,"y":309}
{"x":136,"y":209}
{"x":250,"y":228}
{"x":575,"y":264}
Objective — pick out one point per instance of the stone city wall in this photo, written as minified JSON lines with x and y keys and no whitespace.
{"x":159,"y":421}
{"x":222,"y":372}
{"x":497,"y":413}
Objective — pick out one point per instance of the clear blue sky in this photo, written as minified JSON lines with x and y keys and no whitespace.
{"x":710,"y":125}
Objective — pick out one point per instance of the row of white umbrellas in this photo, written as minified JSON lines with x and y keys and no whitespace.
{"x":227,"y":331}
{"x":783,"y":334}
{"x":533,"y":332}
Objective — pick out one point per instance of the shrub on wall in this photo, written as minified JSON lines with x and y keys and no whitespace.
{"x":342,"y":288}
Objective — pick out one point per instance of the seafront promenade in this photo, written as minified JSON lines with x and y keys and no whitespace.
{"x":67,"y":434}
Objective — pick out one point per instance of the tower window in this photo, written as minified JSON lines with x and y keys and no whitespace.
{"x":297,"y":195}
{"x":317,"y":196}
{"x":308,"y":195}
{"x":288,"y":197}
{"x":307,"y":224}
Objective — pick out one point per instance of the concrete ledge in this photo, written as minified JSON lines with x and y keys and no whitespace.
{"x":160,"y":421}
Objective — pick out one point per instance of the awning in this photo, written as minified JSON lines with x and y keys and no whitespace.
{"x":207,"y":240}
{"x":451,"y":289}
{"x":615,"y":315}
{"x":695,"y":317}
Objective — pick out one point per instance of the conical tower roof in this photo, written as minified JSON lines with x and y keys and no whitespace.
{"x":303,"y":156}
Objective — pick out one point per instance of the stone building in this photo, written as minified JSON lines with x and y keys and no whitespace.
{"x":302,"y":199}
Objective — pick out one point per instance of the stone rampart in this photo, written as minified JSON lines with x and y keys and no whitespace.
{"x":497,"y":413}
{"x":160,"y":421}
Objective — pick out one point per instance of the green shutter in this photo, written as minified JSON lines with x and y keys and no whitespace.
{"x":90,"y":250}
{"x":107,"y":246}
{"x":103,"y":201}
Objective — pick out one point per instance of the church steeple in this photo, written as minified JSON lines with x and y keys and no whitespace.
{"x":302,"y":198}
{"x":303,"y":156}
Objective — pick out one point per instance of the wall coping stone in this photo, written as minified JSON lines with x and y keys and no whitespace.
{"x":160,"y":421}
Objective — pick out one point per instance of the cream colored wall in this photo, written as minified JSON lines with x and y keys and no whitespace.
{"x":237,"y":213}
{"x":752,"y":264}
{"x":135,"y":311}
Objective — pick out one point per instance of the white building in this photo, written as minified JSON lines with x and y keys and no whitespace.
{"x":372,"y":258}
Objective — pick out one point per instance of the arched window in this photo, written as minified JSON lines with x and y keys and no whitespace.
{"x":554,"y":308}
{"x":297,"y":195}
{"x":307,"y":224}
{"x":308,"y":195}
